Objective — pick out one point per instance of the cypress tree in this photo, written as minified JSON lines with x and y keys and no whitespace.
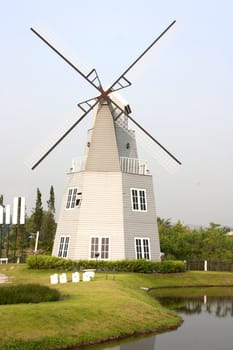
{"x":51,"y":201}
{"x":38,"y":212}
{"x":48,"y":226}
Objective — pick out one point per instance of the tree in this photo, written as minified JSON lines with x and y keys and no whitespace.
{"x":51,"y":201}
{"x":38,"y":212}
{"x":47,"y":232}
{"x":164,"y":222}
{"x":180,"y":242}
{"x":48,"y":225}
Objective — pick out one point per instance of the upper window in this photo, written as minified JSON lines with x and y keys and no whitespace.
{"x":99,"y":248}
{"x":63,"y":246}
{"x":74,"y":198}
{"x":138,"y":199}
{"x":71,"y":198}
{"x":142,"y":248}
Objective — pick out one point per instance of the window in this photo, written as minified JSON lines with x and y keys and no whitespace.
{"x":78,"y":199}
{"x":138,"y":199}
{"x":71,"y":198}
{"x":63,"y":246}
{"x":104,"y":247}
{"x":142,"y":248}
{"x":99,"y":248}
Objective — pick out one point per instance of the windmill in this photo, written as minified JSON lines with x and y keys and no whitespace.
{"x":108,"y":207}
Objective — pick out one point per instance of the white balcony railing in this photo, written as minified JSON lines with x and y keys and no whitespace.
{"x":78,"y":164}
{"x":133,"y":166}
{"x":127,"y":165}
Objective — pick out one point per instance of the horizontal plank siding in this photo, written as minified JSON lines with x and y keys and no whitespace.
{"x":100,"y":214}
{"x":140,"y":223}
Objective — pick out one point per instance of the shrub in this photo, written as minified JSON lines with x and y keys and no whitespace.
{"x":49,"y":262}
{"x":140,"y":265}
{"x":27,"y":293}
{"x":171,"y":266}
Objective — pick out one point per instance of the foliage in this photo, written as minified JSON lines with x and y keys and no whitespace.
{"x":1,"y":199}
{"x":169,"y":266}
{"x":44,"y":222}
{"x":49,"y":262}
{"x":143,"y":266}
{"x":19,"y":242}
{"x":47,"y":231}
{"x":183,"y":243}
{"x":27,"y":293}
{"x":38,"y":212}
{"x":48,"y":224}
{"x":51,"y":201}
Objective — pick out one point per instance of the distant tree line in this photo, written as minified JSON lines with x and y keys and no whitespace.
{"x":18,"y":241}
{"x":204,"y":243}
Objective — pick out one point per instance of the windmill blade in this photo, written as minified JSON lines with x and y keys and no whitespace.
{"x":116,"y":99}
{"x":139,"y":57}
{"x":154,"y":140}
{"x":122,"y":83}
{"x":91,"y":77}
{"x":149,"y":150}
{"x":85,"y":105}
{"x":63,"y":136}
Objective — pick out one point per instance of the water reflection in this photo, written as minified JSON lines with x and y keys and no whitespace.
{"x":141,"y":344}
{"x":220,"y":307}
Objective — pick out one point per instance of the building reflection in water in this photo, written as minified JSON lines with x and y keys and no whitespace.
{"x":140,"y":344}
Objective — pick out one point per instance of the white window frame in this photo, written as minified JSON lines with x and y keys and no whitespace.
{"x":71,"y":198}
{"x":63,"y":248}
{"x":143,"y":251}
{"x":141,"y":204}
{"x":99,"y":249}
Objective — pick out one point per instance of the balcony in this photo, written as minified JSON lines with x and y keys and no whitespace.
{"x":78,"y":164}
{"x":127,"y":165}
{"x":133,"y":166}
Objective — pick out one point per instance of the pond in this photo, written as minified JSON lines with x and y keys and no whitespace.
{"x":208,"y":321}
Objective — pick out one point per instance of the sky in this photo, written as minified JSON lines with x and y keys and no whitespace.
{"x":181,"y":93}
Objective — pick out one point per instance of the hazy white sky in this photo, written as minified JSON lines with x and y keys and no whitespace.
{"x":181,"y":93}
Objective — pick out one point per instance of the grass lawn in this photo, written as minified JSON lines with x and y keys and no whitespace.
{"x":111,"y":306}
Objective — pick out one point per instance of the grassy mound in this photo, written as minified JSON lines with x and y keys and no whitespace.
{"x":27,"y":293}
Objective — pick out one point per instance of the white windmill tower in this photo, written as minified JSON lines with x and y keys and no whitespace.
{"x":108,"y":207}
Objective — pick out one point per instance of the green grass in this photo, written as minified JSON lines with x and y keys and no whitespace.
{"x":112,"y":306}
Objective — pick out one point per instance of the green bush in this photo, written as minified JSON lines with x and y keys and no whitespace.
{"x":170,"y":266}
{"x":140,"y":265}
{"x":27,"y":293}
{"x":49,"y":262}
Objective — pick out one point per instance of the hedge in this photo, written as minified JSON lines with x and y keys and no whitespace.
{"x":141,"y":265}
{"x":27,"y":293}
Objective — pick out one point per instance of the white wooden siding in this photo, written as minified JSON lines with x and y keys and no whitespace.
{"x":123,"y":137}
{"x":140,"y":223}
{"x":102,"y":153}
{"x":100,"y":214}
